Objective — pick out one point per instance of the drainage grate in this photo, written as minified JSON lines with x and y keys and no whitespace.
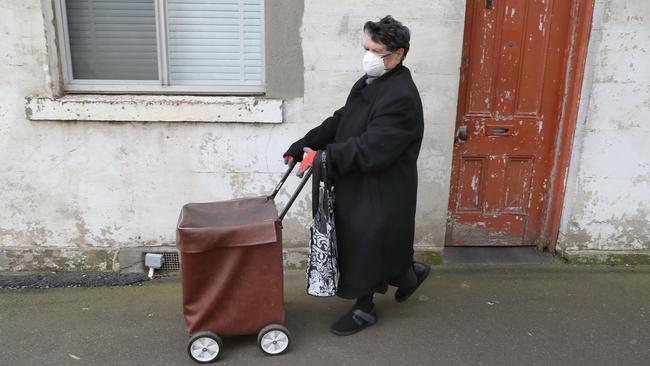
{"x":172,"y":262}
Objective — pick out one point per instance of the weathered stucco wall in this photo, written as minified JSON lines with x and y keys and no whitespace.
{"x":607,"y":205}
{"x":74,"y":193}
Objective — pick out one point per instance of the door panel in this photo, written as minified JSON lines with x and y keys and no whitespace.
{"x":511,"y":79}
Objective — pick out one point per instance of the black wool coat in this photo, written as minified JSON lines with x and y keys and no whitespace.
{"x":372,"y":145}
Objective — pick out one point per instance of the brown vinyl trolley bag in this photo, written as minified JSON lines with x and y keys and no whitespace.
{"x":231,"y":262}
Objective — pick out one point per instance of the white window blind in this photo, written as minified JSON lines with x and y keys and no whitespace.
{"x":113,"y":39}
{"x":183,"y":45}
{"x":215,"y":42}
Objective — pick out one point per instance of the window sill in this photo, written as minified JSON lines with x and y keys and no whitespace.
{"x":154,"y":108}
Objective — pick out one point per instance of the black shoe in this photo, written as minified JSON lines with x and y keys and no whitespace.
{"x":354,"y":321}
{"x":421,"y":272}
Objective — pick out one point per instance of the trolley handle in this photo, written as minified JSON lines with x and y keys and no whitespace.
{"x":303,"y":181}
{"x":292,"y":164}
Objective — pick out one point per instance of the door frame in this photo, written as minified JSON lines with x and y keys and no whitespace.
{"x":575,"y":59}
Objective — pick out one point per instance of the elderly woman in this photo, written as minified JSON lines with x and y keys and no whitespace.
{"x":372,"y":145}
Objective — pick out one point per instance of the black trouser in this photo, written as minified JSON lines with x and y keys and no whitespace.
{"x":405,"y":280}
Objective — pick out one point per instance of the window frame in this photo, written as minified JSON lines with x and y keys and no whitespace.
{"x":160,"y":86}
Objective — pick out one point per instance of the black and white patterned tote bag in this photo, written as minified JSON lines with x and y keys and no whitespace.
{"x":322,"y":265}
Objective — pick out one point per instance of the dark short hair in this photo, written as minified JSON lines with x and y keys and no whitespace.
{"x":390,"y":32}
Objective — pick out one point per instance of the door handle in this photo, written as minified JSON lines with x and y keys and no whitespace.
{"x":461,"y":134}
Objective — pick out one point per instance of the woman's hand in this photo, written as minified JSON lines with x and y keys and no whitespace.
{"x":294,"y":153}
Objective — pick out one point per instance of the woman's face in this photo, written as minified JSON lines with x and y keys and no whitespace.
{"x":379,"y":49}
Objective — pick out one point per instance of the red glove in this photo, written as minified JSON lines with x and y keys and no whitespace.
{"x":307,"y":161}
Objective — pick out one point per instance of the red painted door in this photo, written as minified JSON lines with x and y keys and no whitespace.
{"x":512,"y":75}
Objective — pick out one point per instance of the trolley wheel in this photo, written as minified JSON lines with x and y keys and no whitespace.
{"x":204,"y":347}
{"x":274,"y":339}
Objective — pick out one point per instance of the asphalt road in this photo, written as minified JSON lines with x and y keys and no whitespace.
{"x":462,"y":315}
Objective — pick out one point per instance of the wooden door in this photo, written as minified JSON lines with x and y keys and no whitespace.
{"x":512,"y":75}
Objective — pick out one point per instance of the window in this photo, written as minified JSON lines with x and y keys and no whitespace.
{"x":189,"y":46}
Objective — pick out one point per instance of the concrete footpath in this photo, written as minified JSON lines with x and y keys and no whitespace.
{"x":462,"y":315}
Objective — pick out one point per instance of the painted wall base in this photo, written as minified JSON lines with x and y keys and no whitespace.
{"x":58,"y":260}
{"x":618,"y":258}
{"x":129,"y":260}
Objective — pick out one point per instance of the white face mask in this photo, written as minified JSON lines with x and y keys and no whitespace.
{"x":373,"y":65}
